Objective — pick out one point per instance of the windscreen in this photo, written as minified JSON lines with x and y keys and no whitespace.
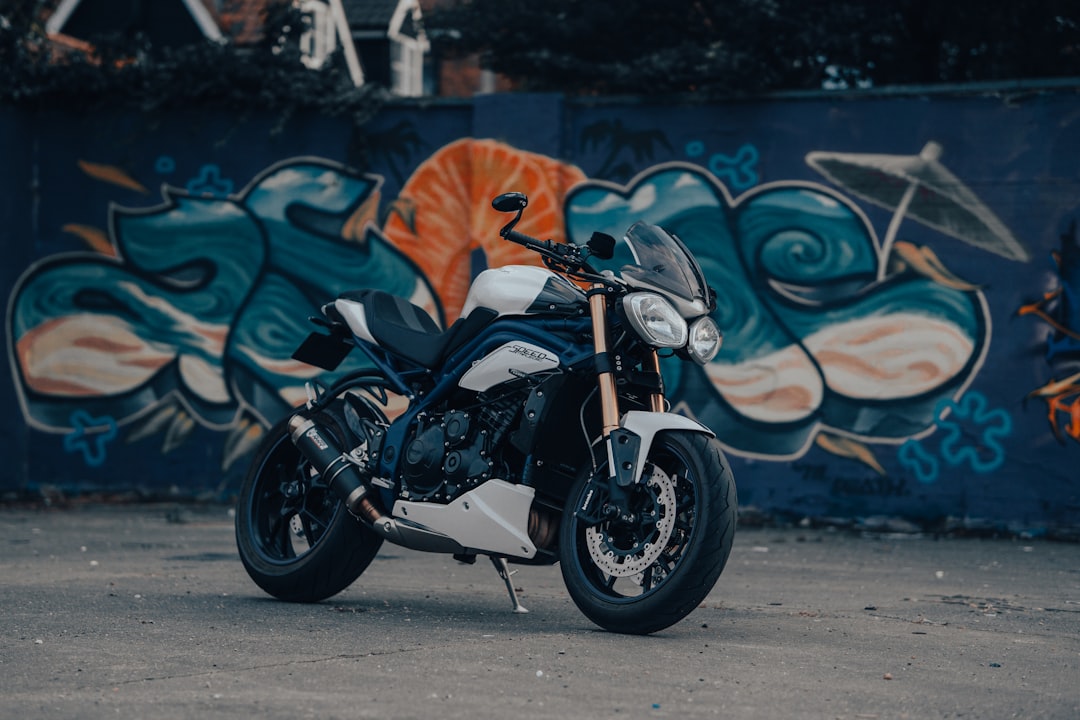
{"x":661,"y":261}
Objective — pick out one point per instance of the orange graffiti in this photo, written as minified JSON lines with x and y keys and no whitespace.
{"x":443,"y":213}
{"x":1062,"y":396}
{"x":1038,"y":309}
{"x":92,"y":236}
{"x":356,"y":226}
{"x":111,"y":174}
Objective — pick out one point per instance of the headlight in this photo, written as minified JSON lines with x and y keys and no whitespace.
{"x":705,"y":340}
{"x":655,"y":320}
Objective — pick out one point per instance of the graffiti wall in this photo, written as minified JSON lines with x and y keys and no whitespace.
{"x":897,"y":281}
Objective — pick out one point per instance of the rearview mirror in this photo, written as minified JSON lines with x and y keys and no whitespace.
{"x":602,"y":245}
{"x":510,"y":202}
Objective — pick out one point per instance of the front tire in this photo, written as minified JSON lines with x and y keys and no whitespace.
{"x":645,"y":575}
{"x":295,"y":537}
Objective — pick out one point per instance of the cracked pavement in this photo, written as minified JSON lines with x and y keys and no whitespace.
{"x":146,"y":611}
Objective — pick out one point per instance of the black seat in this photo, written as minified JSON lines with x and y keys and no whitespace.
{"x":408,"y":331}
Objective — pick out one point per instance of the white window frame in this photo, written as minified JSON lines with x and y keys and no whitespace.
{"x":320,"y":38}
{"x":406,"y":67}
{"x":202,"y":17}
{"x":406,"y":53}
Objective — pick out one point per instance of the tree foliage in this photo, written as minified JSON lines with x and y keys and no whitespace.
{"x":710,"y":47}
{"x":128,"y":71}
{"x":750,"y":46}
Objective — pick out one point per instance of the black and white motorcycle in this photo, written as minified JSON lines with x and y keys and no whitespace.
{"x":533,"y":430}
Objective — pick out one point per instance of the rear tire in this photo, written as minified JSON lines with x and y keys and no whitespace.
{"x":295,"y":537}
{"x":644,"y":576}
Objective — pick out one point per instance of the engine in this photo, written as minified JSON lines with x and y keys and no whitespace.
{"x":454,"y":452}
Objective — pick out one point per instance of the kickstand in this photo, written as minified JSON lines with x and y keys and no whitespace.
{"x":503,"y":569}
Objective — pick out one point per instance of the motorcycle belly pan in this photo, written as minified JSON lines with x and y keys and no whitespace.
{"x":493,"y":518}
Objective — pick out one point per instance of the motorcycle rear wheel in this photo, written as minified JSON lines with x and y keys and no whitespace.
{"x":295,"y":537}
{"x":642,"y":576}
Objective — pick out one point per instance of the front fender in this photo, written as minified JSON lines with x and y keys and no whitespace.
{"x":645,"y":425}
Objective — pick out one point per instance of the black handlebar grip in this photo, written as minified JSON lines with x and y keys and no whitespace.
{"x":529,"y":242}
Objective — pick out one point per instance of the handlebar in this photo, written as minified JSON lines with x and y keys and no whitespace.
{"x":570,"y":258}
{"x":562,"y":252}
{"x":565,"y":257}
{"x":530,"y":242}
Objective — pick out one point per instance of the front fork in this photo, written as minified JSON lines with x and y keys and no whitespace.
{"x":609,"y":399}
{"x":622,"y":445}
{"x":605,"y":364}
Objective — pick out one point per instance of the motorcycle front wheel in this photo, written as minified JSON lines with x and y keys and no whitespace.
{"x":295,"y":537}
{"x":648,"y":572}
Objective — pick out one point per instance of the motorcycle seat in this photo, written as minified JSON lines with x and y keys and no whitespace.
{"x":402,"y":328}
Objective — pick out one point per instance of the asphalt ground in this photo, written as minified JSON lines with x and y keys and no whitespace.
{"x":146,"y":612}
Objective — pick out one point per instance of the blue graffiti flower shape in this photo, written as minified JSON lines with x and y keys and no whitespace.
{"x":210,"y":182}
{"x":813,"y":340}
{"x":913,"y":456}
{"x":990,"y":424}
{"x":739,"y":170}
{"x":89,"y":438}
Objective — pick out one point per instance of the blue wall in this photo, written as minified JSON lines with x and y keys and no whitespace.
{"x":919,"y":363}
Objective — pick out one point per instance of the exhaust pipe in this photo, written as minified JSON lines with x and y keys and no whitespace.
{"x":344,"y":478}
{"x":319,"y":447}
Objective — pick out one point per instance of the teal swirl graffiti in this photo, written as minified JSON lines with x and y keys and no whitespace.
{"x":813,"y":340}
{"x":203,"y":303}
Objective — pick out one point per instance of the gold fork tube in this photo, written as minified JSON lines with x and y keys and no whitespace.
{"x":656,"y":399}
{"x":609,"y":400}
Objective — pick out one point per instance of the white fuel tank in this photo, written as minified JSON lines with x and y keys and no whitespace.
{"x":520,"y":290}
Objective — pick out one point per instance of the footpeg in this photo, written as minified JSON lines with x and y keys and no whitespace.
{"x":503,"y":568}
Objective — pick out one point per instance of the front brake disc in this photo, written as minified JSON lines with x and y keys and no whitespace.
{"x":619,"y":556}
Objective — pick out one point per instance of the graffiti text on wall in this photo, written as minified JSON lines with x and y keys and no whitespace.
{"x":186,"y":313}
{"x":191,"y":313}
{"x":828,"y":337}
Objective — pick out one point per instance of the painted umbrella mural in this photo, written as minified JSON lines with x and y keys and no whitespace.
{"x":920,"y":187}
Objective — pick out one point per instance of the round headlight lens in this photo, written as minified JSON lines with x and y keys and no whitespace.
{"x":655,"y":320}
{"x":705,"y":340}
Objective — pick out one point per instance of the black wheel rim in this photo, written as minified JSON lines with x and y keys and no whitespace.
{"x":622,"y":539}
{"x":290,"y":507}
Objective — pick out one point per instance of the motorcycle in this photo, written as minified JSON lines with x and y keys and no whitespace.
{"x":533,"y":430}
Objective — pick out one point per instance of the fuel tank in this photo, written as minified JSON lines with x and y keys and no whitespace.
{"x":524,"y":290}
